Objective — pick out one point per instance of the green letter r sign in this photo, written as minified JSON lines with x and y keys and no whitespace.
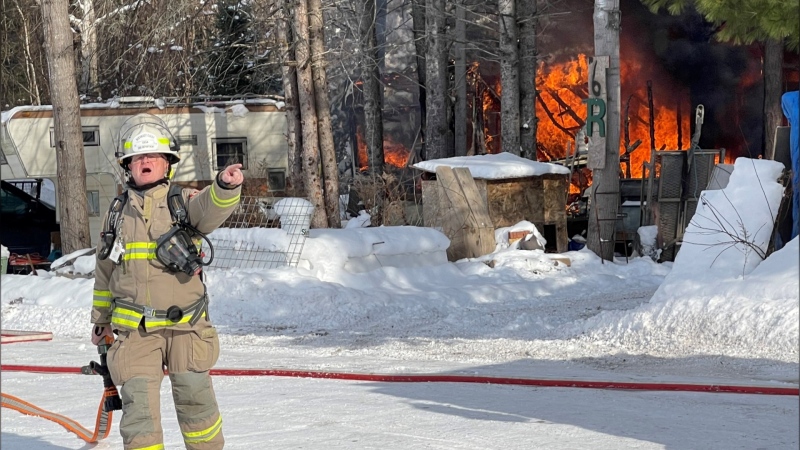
{"x":597,"y":118}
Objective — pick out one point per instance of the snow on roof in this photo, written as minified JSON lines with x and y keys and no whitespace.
{"x":210,"y":106}
{"x":495,"y":167}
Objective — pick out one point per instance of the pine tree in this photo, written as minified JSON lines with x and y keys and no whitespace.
{"x":774,"y":23}
{"x":743,"y":21}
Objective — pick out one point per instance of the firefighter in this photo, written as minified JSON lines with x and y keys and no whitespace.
{"x":155,"y":301}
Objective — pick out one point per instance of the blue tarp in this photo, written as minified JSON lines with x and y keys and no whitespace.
{"x":791,"y":109}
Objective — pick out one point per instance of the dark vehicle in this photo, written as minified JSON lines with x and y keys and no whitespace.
{"x":26,"y":223}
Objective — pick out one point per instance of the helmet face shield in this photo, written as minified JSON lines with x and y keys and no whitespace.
{"x":143,"y":134}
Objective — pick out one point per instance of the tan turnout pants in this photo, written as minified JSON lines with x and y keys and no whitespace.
{"x":136,"y":362}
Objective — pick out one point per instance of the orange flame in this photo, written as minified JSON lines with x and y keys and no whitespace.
{"x":561,"y":112}
{"x":394,"y":153}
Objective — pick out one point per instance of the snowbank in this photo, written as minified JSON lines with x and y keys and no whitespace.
{"x":358,"y":250}
{"x":720,"y":298}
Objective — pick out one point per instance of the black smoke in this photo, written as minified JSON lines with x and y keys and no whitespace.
{"x":724,"y":78}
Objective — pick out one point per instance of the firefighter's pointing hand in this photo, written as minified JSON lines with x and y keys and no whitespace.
{"x":232,"y":175}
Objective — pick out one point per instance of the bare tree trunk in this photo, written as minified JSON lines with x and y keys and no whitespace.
{"x":460,"y":72}
{"x":330,"y":171}
{"x":527,"y":78}
{"x":605,"y":182}
{"x":289,"y":71}
{"x":509,"y":76}
{"x":72,"y":204}
{"x":372,"y":87}
{"x":308,"y":116}
{"x":436,"y":129}
{"x":88,"y":32}
{"x":773,"y":77}
{"x":381,"y":7}
{"x":30,"y":69}
{"x":418,"y":17}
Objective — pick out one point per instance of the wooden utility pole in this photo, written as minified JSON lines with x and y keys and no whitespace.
{"x":527,"y":20}
{"x":604,"y":192}
{"x":68,"y":137}
{"x":509,"y":76}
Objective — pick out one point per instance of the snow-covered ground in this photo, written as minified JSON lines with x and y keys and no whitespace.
{"x":718,"y":315}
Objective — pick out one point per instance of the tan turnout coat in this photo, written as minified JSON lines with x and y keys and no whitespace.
{"x":141,"y":278}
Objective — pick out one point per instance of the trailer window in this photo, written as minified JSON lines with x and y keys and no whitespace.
{"x":186,"y":139}
{"x":276,"y":178}
{"x":91,"y":136}
{"x":229,"y":151}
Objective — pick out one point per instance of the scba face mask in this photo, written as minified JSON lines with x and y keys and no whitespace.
{"x":176,"y":250}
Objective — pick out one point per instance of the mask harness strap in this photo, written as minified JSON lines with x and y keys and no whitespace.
{"x":109,"y":233}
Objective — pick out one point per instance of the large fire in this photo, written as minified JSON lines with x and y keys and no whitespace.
{"x":560,"y":111}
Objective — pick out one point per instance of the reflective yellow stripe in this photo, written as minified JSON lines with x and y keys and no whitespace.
{"x":131,"y":318}
{"x":152,"y":447}
{"x":125,"y":323}
{"x":194,"y":437}
{"x":102,"y":299}
{"x":154,"y":322}
{"x":138,"y":245}
{"x":140,"y":255}
{"x":140,"y":250}
{"x":129,"y":144}
{"x":222,"y":203}
{"x":126,"y":317}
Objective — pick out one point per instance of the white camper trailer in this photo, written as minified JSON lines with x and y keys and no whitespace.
{"x":211,"y":136}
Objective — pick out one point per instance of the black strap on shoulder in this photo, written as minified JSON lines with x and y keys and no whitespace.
{"x":109,"y":233}
{"x":119,"y":202}
{"x":114,"y":211}
{"x":177,"y":207}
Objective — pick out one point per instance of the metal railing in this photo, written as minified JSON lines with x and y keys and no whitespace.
{"x":276,"y":230}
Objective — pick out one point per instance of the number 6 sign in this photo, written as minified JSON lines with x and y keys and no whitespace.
{"x":596,"y":112}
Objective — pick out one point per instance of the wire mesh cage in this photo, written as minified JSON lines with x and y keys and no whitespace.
{"x":276,"y":230}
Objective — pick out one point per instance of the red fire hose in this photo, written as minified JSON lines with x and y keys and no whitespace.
{"x":430,"y":378}
{"x":102,"y":427}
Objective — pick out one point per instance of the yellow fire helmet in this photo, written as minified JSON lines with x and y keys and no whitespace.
{"x":145,"y":133}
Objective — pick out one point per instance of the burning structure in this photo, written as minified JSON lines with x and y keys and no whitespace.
{"x":669,"y":66}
